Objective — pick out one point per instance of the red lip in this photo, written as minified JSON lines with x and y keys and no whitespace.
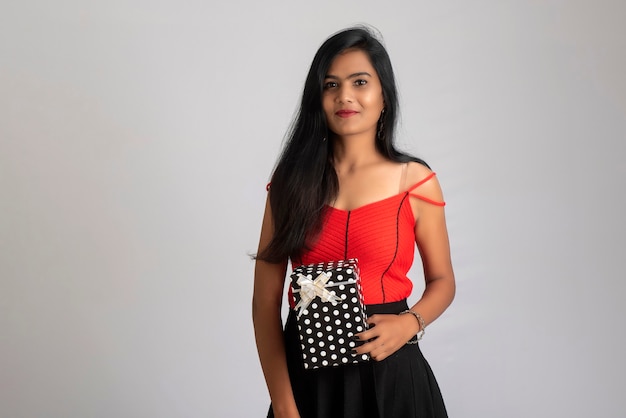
{"x":345,"y":113}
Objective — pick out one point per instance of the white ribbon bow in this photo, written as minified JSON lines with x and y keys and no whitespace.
{"x":309,"y":289}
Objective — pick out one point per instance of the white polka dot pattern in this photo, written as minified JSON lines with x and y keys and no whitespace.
{"x":327,"y":329}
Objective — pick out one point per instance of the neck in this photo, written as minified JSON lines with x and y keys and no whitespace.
{"x":354,"y":151}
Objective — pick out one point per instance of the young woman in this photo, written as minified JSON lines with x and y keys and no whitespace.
{"x":342,"y":190}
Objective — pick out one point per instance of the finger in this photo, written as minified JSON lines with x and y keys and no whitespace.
{"x":385,"y":350}
{"x":379,"y":352}
{"x":378,"y":357}
{"x":366,"y":335}
{"x":366,"y":347}
{"x":372,"y":320}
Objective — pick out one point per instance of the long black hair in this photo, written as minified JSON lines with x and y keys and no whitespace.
{"x":304,"y":179}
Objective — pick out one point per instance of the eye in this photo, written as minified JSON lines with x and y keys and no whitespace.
{"x":330,"y":85}
{"x":360,"y":82}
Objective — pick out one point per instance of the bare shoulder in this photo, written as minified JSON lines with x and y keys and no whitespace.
{"x":416,"y":172}
{"x":423,"y":181}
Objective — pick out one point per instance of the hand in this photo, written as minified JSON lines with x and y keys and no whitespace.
{"x":386,"y":335}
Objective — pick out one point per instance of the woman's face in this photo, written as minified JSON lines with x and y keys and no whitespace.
{"x":352,"y":98}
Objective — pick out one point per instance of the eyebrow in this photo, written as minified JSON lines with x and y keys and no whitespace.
{"x":350,"y":76}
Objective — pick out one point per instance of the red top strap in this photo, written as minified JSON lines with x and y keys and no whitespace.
{"x":424,"y":198}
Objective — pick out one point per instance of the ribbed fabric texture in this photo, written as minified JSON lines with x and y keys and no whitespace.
{"x":381,"y":236}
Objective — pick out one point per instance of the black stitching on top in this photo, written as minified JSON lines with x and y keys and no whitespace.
{"x":345,"y":251}
{"x":395,"y":254}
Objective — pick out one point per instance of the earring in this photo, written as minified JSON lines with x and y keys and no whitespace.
{"x":380,"y":134}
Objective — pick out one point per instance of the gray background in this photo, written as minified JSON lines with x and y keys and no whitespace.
{"x":136,"y":139}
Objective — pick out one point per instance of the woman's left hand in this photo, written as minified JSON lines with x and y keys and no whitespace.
{"x":386,"y":335}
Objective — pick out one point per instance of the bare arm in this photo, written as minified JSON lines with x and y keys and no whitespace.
{"x":269,"y":281}
{"x":391,"y":332}
{"x":431,"y":236}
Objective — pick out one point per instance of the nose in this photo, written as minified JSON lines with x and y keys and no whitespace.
{"x":344,"y":93}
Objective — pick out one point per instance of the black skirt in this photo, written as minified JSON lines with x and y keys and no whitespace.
{"x":400,"y":386}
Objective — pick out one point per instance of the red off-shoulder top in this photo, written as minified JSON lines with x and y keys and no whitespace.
{"x":381,"y":235}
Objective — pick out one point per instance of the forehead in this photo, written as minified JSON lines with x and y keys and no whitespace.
{"x":349,"y":62}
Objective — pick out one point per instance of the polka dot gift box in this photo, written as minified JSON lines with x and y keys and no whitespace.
{"x":330,"y":310}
